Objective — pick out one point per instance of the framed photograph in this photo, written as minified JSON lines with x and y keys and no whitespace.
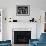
{"x":23,"y":10}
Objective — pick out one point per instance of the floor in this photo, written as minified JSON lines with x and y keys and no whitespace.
{"x":20,"y":45}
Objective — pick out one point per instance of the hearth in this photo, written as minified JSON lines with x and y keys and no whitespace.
{"x":22,"y":37}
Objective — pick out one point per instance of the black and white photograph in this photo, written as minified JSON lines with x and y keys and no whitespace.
{"x":23,"y":10}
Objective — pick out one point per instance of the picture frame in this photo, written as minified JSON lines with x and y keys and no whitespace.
{"x":22,"y":10}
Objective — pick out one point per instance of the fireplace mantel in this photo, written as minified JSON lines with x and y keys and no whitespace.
{"x":28,"y":26}
{"x":21,"y":29}
{"x":24,"y":25}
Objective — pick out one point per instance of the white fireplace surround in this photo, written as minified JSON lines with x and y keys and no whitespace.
{"x":25,"y":27}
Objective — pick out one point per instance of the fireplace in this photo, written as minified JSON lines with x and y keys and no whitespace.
{"x":22,"y":37}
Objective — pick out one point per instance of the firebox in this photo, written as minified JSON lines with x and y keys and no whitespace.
{"x":22,"y":37}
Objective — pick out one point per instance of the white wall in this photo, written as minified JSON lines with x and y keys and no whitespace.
{"x":34,"y":3}
{"x":10,"y":11}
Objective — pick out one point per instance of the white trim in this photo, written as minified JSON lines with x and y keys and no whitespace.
{"x":1,"y":25}
{"x":21,"y":29}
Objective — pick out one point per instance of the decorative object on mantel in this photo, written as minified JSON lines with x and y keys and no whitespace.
{"x":14,"y":20}
{"x":9,"y":21}
{"x":5,"y":18}
{"x":20,"y":21}
{"x":9,"y":18}
{"x":23,"y":10}
{"x":38,"y":19}
{"x":32,"y":20}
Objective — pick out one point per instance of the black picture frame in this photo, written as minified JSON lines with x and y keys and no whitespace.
{"x":23,"y":10}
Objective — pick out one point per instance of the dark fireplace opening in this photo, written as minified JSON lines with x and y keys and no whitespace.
{"x":22,"y":37}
